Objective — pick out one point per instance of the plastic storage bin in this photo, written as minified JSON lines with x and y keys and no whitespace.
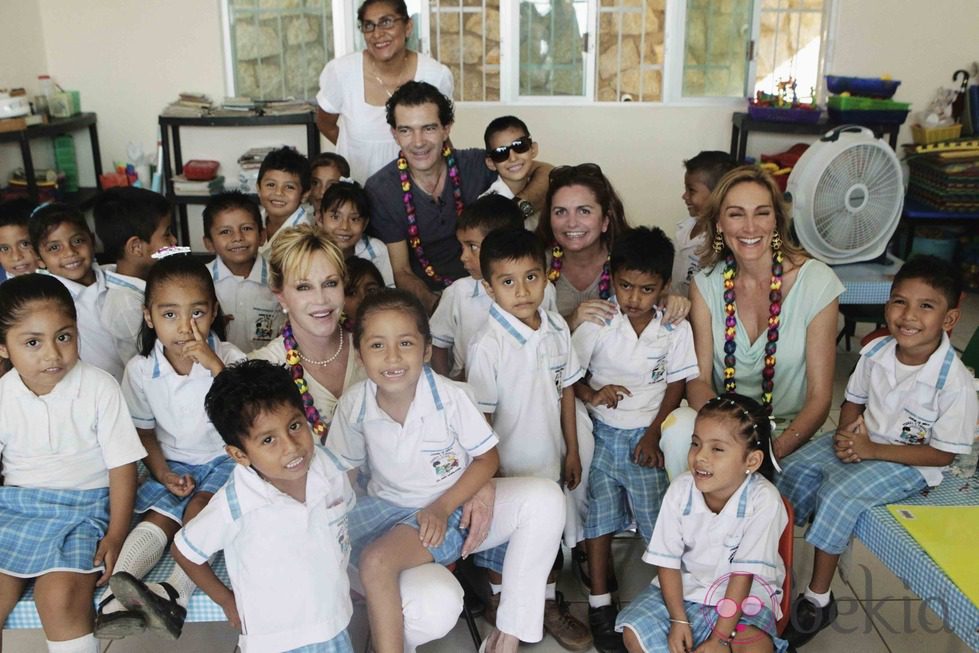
{"x":862,"y":86}
{"x":201,"y":170}
{"x":923,"y":135}
{"x":774,"y":114}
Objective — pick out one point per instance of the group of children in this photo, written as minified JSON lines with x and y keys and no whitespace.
{"x":144,"y":360}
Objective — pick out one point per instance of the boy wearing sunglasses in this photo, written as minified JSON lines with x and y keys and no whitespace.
{"x":510,"y":152}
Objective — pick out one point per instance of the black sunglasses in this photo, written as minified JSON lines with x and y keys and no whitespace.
{"x":502,"y":153}
{"x":561,"y":174}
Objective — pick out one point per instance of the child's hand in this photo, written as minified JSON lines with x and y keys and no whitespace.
{"x":477,"y":515}
{"x":609,"y":395}
{"x":852,"y":443}
{"x":198,"y":351}
{"x":431,"y":526}
{"x":107,"y":553}
{"x":680,"y":639}
{"x":647,"y":452}
{"x":230,"y":608}
{"x":592,"y":310}
{"x":676,"y":309}
{"x":572,"y":470}
{"x":178,"y":485}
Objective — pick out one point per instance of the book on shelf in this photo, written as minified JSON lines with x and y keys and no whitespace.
{"x":184,"y":186}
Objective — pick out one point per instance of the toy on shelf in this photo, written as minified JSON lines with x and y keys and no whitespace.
{"x":781,"y":107}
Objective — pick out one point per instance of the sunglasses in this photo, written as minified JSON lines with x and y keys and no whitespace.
{"x":502,"y":153}
{"x":561,"y":174}
{"x":385,"y":23}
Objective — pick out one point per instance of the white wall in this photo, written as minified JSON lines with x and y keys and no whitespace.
{"x":22,"y":59}
{"x":129,"y":59}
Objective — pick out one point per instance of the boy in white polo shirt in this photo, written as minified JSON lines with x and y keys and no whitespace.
{"x":522,"y":367}
{"x":283,"y":180}
{"x":910,"y":407}
{"x":233,"y":231}
{"x":281,"y":520}
{"x":637,"y":370}
{"x":462,"y":311}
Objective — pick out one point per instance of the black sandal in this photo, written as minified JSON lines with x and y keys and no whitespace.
{"x":117,"y":625}
{"x":163,"y":616}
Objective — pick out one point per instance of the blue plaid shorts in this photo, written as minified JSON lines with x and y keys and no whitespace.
{"x":649,"y":619}
{"x":616,"y":485}
{"x":372,"y":517}
{"x":208,"y":477}
{"x":339,"y":644}
{"x":816,"y":481}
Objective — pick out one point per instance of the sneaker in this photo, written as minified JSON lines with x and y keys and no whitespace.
{"x":602,"y":623}
{"x":570,"y":633}
{"x":808,"y":619}
{"x":489,"y":609}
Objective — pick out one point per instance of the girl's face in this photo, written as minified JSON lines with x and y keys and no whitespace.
{"x":393,"y":351}
{"x":344,"y":224}
{"x":357,"y":292}
{"x":576,"y":218}
{"x":747,"y":221}
{"x":42,"y":346}
{"x":719,"y":459}
{"x":181,"y":310}
{"x":314,"y":300}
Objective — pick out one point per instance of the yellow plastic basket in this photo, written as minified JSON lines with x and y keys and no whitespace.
{"x":925,"y":135}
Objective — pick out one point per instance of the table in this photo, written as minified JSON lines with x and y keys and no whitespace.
{"x":867,"y":283}
{"x":742,"y":124}
{"x":917,"y":211}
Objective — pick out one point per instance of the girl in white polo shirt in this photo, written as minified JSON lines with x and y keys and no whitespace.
{"x":69,"y":452}
{"x":716,"y":543}
{"x":180,"y":354}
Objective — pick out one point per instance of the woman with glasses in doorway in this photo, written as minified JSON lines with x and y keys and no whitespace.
{"x":354,"y":88}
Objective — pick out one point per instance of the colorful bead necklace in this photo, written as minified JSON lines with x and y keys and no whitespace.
{"x":414,"y":238}
{"x":604,"y":282}
{"x":731,"y":325}
{"x":293,"y":358}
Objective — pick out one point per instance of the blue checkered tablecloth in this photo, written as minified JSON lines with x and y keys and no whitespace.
{"x":201,"y":608}
{"x":895,"y":547}
{"x":867,"y":283}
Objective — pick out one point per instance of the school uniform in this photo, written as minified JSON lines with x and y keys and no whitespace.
{"x":517,"y":375}
{"x":172,"y":404}
{"x":686,"y":262}
{"x":645,"y":364}
{"x":409,"y":466}
{"x":934,"y":405}
{"x":707,"y":548}
{"x":286,"y":560}
{"x":374,"y":250}
{"x":56,"y":451}
{"x":121,"y":313}
{"x":499,"y":187}
{"x":298,"y":217}
{"x":258,"y":318}
{"x":462,"y":313}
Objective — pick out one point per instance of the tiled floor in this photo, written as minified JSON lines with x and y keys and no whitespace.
{"x":877,"y":613}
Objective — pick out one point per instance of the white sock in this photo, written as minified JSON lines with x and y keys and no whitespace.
{"x":496,"y":589}
{"x":599,"y":600}
{"x":550,"y":592}
{"x":819,"y":600}
{"x":180,"y":581}
{"x":140,"y":552}
{"x":83,"y":644}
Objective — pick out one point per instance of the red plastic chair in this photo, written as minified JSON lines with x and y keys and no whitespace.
{"x":785,"y":545}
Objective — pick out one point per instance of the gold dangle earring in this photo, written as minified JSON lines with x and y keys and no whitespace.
{"x":776,"y":241}
{"x":718,"y":243}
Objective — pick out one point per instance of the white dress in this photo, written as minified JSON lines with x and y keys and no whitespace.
{"x":365,"y":138}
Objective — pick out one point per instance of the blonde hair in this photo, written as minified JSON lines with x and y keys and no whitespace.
{"x":292,"y":252}
{"x":744,"y":175}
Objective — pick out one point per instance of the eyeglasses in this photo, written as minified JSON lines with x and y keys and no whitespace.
{"x":385,"y":23}
{"x":502,"y":153}
{"x":562,"y":174}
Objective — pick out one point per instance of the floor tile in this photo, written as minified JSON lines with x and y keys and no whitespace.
{"x":802,"y":556}
{"x":910,"y":626}
{"x":196,"y":638}
{"x":869,"y":578}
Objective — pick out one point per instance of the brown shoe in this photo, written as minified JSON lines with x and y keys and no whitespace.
{"x":490,"y":608}
{"x":570,"y":633}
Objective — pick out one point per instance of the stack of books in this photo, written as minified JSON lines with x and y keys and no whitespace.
{"x":184,"y":186}
{"x":188,"y":105}
{"x":236,"y":107}
{"x":285,"y":107}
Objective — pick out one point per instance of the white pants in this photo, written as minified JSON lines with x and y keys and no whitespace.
{"x":675,"y":439}
{"x":529,"y":514}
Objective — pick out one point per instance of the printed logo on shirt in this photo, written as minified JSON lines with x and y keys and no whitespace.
{"x":343,"y":537}
{"x":264,"y":321}
{"x":659,"y":371}
{"x":558,"y":373}
{"x":444,"y":463}
{"x":914,"y":429}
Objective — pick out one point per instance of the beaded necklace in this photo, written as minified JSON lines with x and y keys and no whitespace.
{"x":731,"y":325}
{"x":293,"y":358}
{"x":604,"y":282}
{"x":414,"y":238}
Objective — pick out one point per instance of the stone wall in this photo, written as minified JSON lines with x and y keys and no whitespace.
{"x":466,"y":38}
{"x":630,"y":50}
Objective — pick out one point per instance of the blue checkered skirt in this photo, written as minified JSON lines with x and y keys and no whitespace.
{"x":339,"y":644}
{"x":45,"y":530}
{"x":372,"y":517}
{"x":208,"y":477}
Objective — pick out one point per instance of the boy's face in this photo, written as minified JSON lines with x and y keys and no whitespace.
{"x":162,"y":236}
{"x":916,"y":316}
{"x":16,"y":254}
{"x":355,"y":293}
{"x":344,"y":224}
{"x":67,"y":252}
{"x":516,"y":166}
{"x":637,"y":293}
{"x":696,"y":193}
{"x":235,"y":237}
{"x":518,"y":286}
{"x":279,"y":446}
{"x":471,"y":239}
{"x":280,"y":193}
{"x":322,"y":178}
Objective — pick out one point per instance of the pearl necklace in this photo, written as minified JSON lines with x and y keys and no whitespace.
{"x":328,"y":360}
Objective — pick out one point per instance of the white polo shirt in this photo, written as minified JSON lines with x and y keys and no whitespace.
{"x":462,"y":313}
{"x":173,"y":404}
{"x":517,"y":375}
{"x":499,"y":187}
{"x":686,"y":262}
{"x":934,"y":406}
{"x":298,"y":217}
{"x":287,"y":561}
{"x":707,"y":547}
{"x":411,"y":465}
{"x":74,"y":288}
{"x":69,"y":438}
{"x":122,"y":312}
{"x":374,"y":250}
{"x":645,"y":364}
{"x":258,"y":318}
